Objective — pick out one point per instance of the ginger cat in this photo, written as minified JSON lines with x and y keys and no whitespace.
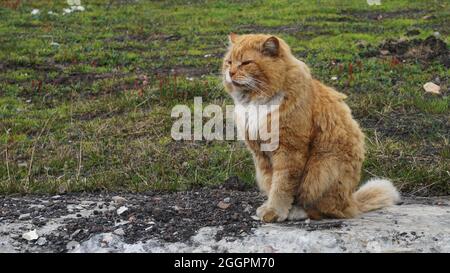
{"x":316,"y":167}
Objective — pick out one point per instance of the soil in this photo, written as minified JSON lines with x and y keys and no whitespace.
{"x":63,"y":222}
{"x":379,"y":15}
{"x":168,"y":216}
{"x":425,"y":51}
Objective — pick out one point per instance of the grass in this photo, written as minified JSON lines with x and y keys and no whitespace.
{"x":86,"y":97}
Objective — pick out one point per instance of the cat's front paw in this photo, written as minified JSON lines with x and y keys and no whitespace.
{"x":269,"y":214}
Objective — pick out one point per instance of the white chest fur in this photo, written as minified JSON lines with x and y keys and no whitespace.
{"x":251,"y":116}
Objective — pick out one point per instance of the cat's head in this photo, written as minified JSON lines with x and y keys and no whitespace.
{"x":255,"y":65}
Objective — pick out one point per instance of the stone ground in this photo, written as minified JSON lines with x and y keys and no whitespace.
{"x":209,"y":220}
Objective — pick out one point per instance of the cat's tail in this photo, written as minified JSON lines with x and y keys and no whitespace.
{"x":375,"y":194}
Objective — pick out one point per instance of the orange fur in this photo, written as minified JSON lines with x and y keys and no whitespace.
{"x":321,"y":147}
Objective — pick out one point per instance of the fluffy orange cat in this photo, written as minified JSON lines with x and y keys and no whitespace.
{"x":316,"y":167}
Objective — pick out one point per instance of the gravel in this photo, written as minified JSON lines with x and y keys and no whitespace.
{"x":158,"y":221}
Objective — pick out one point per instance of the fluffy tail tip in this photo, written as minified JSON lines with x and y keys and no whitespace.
{"x":376,"y":193}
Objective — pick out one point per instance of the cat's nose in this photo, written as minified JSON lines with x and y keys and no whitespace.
{"x":232,"y":73}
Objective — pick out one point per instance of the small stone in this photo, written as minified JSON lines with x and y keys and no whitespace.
{"x":307,"y":221}
{"x":269,"y":249}
{"x":31,"y":235}
{"x":384,"y":52}
{"x":119,"y":200}
{"x":235,"y":216}
{"x":119,"y":232}
{"x":14,"y":236}
{"x":22,"y":164}
{"x":248,"y":208}
{"x":254,"y":217}
{"x":35,"y":12}
{"x":56,"y":197}
{"x":107,"y":239}
{"x":334,"y":78}
{"x":223,"y":205}
{"x":121,"y":210}
{"x":432,"y":88}
{"x":24,"y":216}
{"x":72,"y":245}
{"x":121,"y":223}
{"x":437,"y":34}
{"x":75,"y":233}
{"x":227,"y":200}
{"x":41,"y":241}
{"x":374,"y":2}
{"x":428,"y":16}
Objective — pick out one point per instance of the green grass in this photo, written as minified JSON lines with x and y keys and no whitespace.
{"x":76,"y":113}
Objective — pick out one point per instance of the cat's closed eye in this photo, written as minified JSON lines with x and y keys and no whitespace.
{"x":246,"y":62}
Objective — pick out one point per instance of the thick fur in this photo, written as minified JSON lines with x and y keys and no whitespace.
{"x":317,"y":164}
{"x":375,"y":194}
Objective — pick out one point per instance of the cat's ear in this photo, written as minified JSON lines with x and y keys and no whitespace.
{"x":233,"y":37}
{"x":271,"y":47}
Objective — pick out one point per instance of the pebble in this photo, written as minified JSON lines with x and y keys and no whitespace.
{"x":121,"y":210}
{"x":72,"y":245}
{"x":177,"y":208}
{"x":41,"y":241}
{"x":248,"y":208}
{"x":22,"y":164}
{"x":119,"y":200}
{"x":121,"y":223}
{"x":227,"y":200}
{"x":75,"y":233}
{"x":106,"y":240}
{"x":432,"y":88}
{"x":31,"y":235}
{"x":119,"y":232}
{"x":24,"y":216}
{"x":223,"y":205}
{"x":269,"y":249}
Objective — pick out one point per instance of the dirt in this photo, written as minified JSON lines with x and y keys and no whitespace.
{"x":382,"y":15}
{"x":425,"y":51}
{"x":300,"y":31}
{"x":143,"y":37}
{"x":192,"y":219}
{"x":403,"y":125}
{"x":167,"y":216}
